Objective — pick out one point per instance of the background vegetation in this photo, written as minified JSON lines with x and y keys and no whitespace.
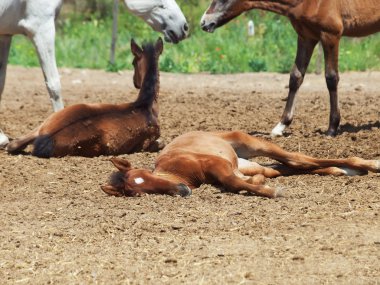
{"x":84,"y":38}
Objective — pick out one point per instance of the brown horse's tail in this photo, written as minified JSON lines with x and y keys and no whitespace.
{"x":18,"y":145}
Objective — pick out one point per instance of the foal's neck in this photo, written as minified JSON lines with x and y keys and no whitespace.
{"x":151,"y":83}
{"x":175,"y":178}
{"x":281,"y":7}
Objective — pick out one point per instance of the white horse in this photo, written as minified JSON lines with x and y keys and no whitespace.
{"x":35,"y":19}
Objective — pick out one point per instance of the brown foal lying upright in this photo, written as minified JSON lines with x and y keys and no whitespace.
{"x":104,"y":129}
{"x":220,"y":158}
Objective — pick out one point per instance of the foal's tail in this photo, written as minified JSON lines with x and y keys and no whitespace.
{"x":18,"y":145}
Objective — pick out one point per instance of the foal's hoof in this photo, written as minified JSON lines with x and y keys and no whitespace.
{"x":184,"y":190}
{"x":279,"y":192}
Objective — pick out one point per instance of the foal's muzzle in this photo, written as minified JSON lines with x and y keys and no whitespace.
{"x":208,"y":27}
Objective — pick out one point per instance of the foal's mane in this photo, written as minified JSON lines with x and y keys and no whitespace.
{"x":150,"y":86}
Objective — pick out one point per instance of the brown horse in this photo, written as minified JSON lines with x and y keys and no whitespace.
{"x":104,"y":129}
{"x":322,"y":21}
{"x":220,"y":158}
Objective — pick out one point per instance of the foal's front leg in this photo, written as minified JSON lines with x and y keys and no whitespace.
{"x":221,"y":170}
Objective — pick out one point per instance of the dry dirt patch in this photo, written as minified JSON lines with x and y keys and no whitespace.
{"x":58,"y":227}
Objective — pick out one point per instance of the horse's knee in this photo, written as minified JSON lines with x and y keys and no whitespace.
{"x":332,"y":80}
{"x":296,"y":79}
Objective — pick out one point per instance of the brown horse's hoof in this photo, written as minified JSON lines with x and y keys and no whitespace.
{"x":332,"y":133}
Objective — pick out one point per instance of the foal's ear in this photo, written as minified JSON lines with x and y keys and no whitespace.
{"x":122,"y":164}
{"x":136,"y":50}
{"x":111,"y":190}
{"x":159,"y":46}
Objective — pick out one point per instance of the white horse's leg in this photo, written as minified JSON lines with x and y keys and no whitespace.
{"x":43,"y":40}
{"x":5,"y":43}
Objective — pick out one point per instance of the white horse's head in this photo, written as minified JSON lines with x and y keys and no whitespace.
{"x":163,"y":16}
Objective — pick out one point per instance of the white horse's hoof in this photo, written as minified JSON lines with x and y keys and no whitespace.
{"x":278,"y":130}
{"x":3,"y":140}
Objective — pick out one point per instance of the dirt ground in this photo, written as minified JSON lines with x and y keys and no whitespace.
{"x":58,"y":227}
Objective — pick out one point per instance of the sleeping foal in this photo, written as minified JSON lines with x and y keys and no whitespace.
{"x":221,"y":158}
{"x":104,"y":129}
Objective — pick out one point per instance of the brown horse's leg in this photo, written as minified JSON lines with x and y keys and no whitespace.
{"x":247,"y":146}
{"x":221,"y":171}
{"x":304,"y":52}
{"x":330,"y":45}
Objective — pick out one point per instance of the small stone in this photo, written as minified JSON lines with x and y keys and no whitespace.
{"x":177,"y":227}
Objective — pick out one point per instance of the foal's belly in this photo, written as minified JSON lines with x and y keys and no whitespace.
{"x":203,"y":143}
{"x":106,"y":136}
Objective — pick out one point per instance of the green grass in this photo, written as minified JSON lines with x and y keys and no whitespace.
{"x":85,"y":44}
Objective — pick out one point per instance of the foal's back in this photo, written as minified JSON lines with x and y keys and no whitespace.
{"x":199,"y":143}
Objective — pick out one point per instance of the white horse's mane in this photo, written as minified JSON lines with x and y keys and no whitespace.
{"x":139,"y":7}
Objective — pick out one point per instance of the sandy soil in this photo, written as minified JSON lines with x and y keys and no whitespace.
{"x":58,"y":227}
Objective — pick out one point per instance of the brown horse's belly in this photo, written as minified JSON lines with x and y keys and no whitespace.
{"x":361,"y":31}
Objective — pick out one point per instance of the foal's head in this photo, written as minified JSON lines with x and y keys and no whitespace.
{"x":145,"y":58}
{"x":135,"y":182}
{"x":221,"y":12}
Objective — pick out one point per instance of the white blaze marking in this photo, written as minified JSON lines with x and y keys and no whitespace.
{"x":139,"y":180}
